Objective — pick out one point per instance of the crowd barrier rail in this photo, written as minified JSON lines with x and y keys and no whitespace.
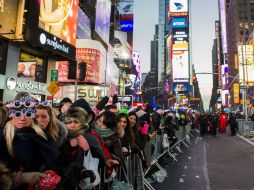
{"x":245,"y":128}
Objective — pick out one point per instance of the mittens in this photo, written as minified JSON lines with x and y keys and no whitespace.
{"x":81,"y":141}
{"x":50,"y":182}
{"x":144,"y":129}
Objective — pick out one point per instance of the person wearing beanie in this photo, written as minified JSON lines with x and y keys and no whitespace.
{"x":64,"y":106}
{"x":156,"y":117}
{"x":79,"y":142}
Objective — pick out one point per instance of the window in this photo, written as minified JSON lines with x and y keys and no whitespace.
{"x":32,"y":68}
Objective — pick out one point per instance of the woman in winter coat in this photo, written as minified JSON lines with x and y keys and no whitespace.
{"x":170,"y":129}
{"x":53,"y":128}
{"x":24,"y":147}
{"x":105,"y":126}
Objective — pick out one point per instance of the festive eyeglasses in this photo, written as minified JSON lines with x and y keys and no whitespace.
{"x":28,"y":113}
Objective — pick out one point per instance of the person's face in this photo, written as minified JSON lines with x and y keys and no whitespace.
{"x":72,"y":125}
{"x":22,"y":121}
{"x":100,"y":123}
{"x":133,"y":120}
{"x":21,"y":68}
{"x":32,"y":70}
{"x":66,"y":107}
{"x":122,"y":123}
{"x":42,"y":117}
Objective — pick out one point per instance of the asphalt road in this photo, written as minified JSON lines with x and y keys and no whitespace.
{"x":212,"y":163}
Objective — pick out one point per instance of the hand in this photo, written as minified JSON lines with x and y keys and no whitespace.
{"x":111,"y":162}
{"x":151,"y":135}
{"x":32,"y":177}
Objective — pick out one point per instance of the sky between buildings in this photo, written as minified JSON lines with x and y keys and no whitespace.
{"x":204,"y":13}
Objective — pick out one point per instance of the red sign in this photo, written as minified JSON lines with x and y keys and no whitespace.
{"x":92,"y":59}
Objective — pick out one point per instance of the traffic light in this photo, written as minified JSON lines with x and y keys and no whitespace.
{"x":72,"y":70}
{"x":194,"y":79}
{"x":82,"y":70}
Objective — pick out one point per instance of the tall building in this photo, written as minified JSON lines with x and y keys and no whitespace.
{"x":239,"y":24}
{"x":154,"y":50}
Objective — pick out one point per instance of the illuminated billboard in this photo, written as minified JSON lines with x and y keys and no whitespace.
{"x":180,"y":64}
{"x":59,"y":18}
{"x":224,"y":98}
{"x":180,"y":87}
{"x":102,"y":23}
{"x":125,"y":9}
{"x":136,"y":62}
{"x":52,"y":26}
{"x":178,"y":8}
{"x":218,"y":46}
{"x":248,"y":65}
{"x":126,"y":25}
{"x":180,"y":35}
{"x":122,"y":50}
{"x":179,"y":22}
{"x":224,"y":76}
{"x":84,"y":25}
{"x":222,"y":6}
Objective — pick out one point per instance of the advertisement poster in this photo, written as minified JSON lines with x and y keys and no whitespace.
{"x":102,"y":23}
{"x":26,"y":70}
{"x":236,"y":93}
{"x":84,"y":25}
{"x":179,"y":22}
{"x":92,"y":59}
{"x":180,"y":63}
{"x":122,"y":49}
{"x":180,"y":87}
{"x":178,"y":6}
{"x":125,"y":9}
{"x":59,"y":18}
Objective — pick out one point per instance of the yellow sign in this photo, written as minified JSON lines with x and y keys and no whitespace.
{"x":194,"y":99}
{"x":236,"y":88}
{"x":53,"y":88}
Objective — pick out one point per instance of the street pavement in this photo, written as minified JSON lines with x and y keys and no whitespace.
{"x":212,"y":163}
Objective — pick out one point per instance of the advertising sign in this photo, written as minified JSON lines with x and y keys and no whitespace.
{"x":102,"y":23}
{"x":122,"y":49}
{"x":224,"y":98}
{"x":180,"y":35}
{"x":126,"y":25}
{"x":52,"y":25}
{"x":223,"y":9}
{"x":236,"y":93}
{"x":8,"y":9}
{"x":180,"y":87}
{"x":218,"y":46}
{"x":224,"y":76}
{"x":178,"y":6}
{"x":246,"y":63}
{"x":180,"y":64}
{"x":136,"y":62}
{"x":84,"y":25}
{"x":179,"y":22}
{"x":125,"y":9}
{"x":92,"y":59}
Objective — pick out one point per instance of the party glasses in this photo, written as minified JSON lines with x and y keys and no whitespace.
{"x":26,"y":112}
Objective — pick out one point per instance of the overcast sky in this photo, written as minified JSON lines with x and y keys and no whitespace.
{"x":203,"y":33}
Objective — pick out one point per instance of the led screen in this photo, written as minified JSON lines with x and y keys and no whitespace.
{"x":179,"y":22}
{"x":180,"y":63}
{"x":84,"y":30}
{"x":178,"y":6}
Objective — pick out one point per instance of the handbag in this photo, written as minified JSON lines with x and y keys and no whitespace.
{"x":90,"y":163}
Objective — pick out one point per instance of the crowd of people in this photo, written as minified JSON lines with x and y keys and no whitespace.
{"x":76,"y":146}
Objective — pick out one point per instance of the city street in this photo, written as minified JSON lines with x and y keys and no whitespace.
{"x":212,"y":163}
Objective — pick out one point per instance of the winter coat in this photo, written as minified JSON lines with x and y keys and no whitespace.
{"x":140,"y":139}
{"x":156,"y":120}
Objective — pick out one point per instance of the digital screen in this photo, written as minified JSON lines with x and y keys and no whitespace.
{"x":84,"y":26}
{"x":59,"y":18}
{"x":180,"y":87}
{"x":26,"y":70}
{"x":122,"y":49}
{"x":178,"y":6}
{"x":126,"y":25}
{"x":180,"y":64}
{"x":125,"y":9}
{"x":102,"y":23}
{"x":179,"y":22}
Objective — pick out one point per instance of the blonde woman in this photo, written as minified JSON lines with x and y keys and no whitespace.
{"x":53,"y":128}
{"x":24,"y":147}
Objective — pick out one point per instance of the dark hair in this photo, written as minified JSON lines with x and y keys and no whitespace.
{"x":4,"y":115}
{"x":109,"y":119}
{"x":168,"y":120}
{"x":134,"y":113}
{"x":128,"y":136}
{"x":109,"y":107}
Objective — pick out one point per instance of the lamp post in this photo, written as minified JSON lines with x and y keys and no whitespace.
{"x":123,"y":92}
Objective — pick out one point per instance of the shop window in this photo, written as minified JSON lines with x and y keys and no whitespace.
{"x":32,"y":67}
{"x":3,"y":55}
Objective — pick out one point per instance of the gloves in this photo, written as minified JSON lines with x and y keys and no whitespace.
{"x":50,"y":182}
{"x":144,"y":129}
{"x":32,"y":177}
{"x":88,"y":174}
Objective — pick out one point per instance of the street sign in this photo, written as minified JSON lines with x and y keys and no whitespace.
{"x":54,"y":75}
{"x":53,"y":88}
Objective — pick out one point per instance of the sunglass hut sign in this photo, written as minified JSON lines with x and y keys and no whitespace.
{"x":12,"y":83}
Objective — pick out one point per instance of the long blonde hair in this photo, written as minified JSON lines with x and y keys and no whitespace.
{"x":9,"y":133}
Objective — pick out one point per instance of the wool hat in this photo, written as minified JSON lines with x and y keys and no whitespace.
{"x":158,"y":107}
{"x":65,"y":100}
{"x":78,"y":114}
{"x":82,"y":103}
{"x":102,"y":103}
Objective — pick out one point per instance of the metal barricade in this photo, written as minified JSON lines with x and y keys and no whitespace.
{"x":245,"y":127}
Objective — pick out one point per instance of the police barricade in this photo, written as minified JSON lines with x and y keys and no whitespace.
{"x":245,"y":128}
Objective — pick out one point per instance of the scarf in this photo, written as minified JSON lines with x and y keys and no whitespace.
{"x":103,"y":132}
{"x":76,"y":138}
{"x":72,"y":134}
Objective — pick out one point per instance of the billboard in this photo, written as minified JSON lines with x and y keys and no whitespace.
{"x":178,"y":8}
{"x":224,"y":98}
{"x":222,"y":6}
{"x":180,"y":87}
{"x":125,"y":9}
{"x":136,"y":62}
{"x":236,"y":89}
{"x":180,"y":64}
{"x":224,"y":76}
{"x":59,"y":18}
{"x":245,"y":53}
{"x":126,"y":25}
{"x":180,"y":35}
{"x":102,"y":23}
{"x":92,"y":59}
{"x":218,"y":46}
{"x":84,"y":25}
{"x":122,"y":50}
{"x":52,"y":26}
{"x":179,"y":22}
